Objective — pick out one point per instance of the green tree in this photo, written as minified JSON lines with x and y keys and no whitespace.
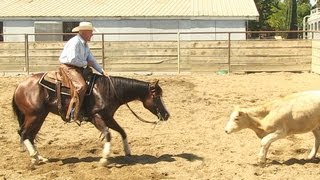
{"x":273,"y":14}
{"x":265,"y":8}
{"x":289,"y":15}
{"x":303,"y":9}
{"x":292,"y":20}
{"x":277,"y":20}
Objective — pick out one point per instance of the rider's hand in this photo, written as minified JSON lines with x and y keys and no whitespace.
{"x":104,"y":73}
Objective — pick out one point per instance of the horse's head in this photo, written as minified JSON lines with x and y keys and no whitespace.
{"x":153,"y":102}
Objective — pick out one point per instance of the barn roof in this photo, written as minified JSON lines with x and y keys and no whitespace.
{"x":129,"y":9}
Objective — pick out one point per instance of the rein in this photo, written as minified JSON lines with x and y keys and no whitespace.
{"x":138,"y":117}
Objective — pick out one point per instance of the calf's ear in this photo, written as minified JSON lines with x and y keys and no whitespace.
{"x":241,"y":113}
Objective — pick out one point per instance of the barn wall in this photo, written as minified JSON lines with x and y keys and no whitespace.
{"x":17,"y":27}
{"x":140,"y":26}
{"x":164,"y":56}
{"x":167,"y":26}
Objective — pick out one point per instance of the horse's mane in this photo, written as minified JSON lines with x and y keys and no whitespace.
{"x":125,"y":87}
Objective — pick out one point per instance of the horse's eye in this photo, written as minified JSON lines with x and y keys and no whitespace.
{"x":155,"y":98}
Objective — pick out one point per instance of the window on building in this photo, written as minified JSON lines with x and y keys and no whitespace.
{"x":49,"y":27}
{"x":1,"y":31}
{"x":318,"y":25}
{"x":67,"y":28}
{"x":311,"y":28}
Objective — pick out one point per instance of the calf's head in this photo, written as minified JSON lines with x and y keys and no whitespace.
{"x":238,"y":120}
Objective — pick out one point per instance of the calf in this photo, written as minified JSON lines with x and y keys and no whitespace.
{"x":293,"y":114}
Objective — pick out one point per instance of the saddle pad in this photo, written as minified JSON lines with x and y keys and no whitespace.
{"x":50,"y":84}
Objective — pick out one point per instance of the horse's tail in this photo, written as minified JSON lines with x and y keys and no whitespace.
{"x":17,"y":113}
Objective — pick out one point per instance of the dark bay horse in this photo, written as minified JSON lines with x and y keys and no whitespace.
{"x":32,"y":103}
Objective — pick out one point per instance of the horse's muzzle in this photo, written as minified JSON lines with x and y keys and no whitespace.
{"x":164,"y":117}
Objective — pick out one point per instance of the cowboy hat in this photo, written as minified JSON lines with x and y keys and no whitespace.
{"x":83,"y":26}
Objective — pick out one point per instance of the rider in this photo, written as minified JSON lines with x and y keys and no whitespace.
{"x":75,"y":56}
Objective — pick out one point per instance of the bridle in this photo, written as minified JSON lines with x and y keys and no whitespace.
{"x":135,"y":114}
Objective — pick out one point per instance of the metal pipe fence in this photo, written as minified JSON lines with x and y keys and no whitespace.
{"x":180,"y":37}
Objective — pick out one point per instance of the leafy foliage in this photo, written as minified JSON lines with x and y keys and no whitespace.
{"x":265,"y":8}
{"x":280,"y":15}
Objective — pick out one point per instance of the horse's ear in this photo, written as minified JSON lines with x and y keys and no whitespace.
{"x":155,"y":83}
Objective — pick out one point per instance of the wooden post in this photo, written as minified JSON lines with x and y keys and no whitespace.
{"x":178,"y":51}
{"x":26,"y":50}
{"x":103,"y":64}
{"x":229,"y":52}
{"x":312,"y":35}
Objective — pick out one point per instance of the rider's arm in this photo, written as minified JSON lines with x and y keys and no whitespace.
{"x":93,"y":63}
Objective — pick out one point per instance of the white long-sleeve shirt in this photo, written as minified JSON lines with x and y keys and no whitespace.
{"x":76,"y":52}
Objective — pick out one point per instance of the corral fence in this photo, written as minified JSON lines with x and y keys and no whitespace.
{"x":176,"y":55}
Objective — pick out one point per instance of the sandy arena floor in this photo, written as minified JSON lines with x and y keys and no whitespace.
{"x":192,"y":144}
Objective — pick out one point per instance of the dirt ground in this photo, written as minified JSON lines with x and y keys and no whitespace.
{"x":192,"y":144}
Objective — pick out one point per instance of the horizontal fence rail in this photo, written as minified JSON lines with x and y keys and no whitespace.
{"x":225,"y":53}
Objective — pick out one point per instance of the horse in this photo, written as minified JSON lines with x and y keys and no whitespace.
{"x":32,"y":103}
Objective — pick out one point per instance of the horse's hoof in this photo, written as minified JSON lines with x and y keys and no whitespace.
{"x":32,"y":167}
{"x":103,"y":162}
{"x":34,"y":161}
{"x":311,"y":157}
{"x":262,"y":163}
{"x":42,"y":159}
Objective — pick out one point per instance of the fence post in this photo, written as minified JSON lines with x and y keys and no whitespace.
{"x":229,"y":52}
{"x":178,"y":52}
{"x":103,"y":64}
{"x":312,"y":35}
{"x":26,"y":50}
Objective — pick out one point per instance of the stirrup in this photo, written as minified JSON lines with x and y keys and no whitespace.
{"x":72,"y":113}
{"x":69,"y":118}
{"x":72,"y":119}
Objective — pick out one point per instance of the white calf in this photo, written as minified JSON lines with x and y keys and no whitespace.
{"x":293,"y":114}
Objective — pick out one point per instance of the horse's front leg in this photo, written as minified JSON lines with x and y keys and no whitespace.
{"x":115,"y":126}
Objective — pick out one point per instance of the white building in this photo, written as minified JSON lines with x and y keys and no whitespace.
{"x":127,"y":16}
{"x":313,"y":23}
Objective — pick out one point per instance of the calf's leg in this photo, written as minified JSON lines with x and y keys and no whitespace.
{"x":266,"y":142}
{"x":313,"y":153}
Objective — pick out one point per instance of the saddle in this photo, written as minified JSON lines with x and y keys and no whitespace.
{"x":56,"y":82}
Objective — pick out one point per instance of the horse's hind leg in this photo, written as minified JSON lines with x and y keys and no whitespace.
{"x":100,"y":124}
{"x":29,"y":131}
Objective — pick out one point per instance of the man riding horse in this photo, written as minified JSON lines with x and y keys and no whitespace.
{"x":75,"y":56}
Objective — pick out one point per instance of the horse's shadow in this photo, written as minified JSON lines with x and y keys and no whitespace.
{"x":131,"y":160}
{"x":294,"y":161}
